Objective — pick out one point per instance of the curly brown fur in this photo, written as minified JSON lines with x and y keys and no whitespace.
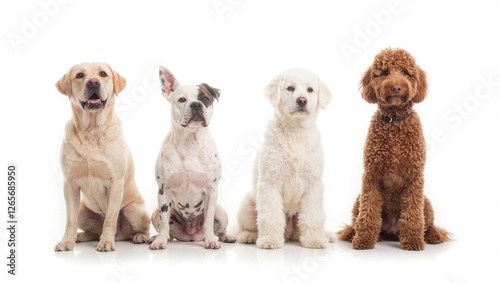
{"x":392,"y":204}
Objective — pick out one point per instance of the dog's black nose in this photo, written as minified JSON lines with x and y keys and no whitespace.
{"x":396,"y":89}
{"x":93,"y":83}
{"x":196,"y":106}
{"x":301,"y":101}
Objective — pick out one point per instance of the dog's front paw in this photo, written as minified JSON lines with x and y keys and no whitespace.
{"x":212,"y":243}
{"x":362,"y":244}
{"x":314,"y":243}
{"x":106,"y":245}
{"x":64,"y":246}
{"x":157,"y":243}
{"x":226,"y":238}
{"x":270,"y":242}
{"x":246,"y":237}
{"x":139,"y":238}
{"x":415,"y":245}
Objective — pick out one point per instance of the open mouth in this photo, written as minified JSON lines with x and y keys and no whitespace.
{"x":94,"y":102}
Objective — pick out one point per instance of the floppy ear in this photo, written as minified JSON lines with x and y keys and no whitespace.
{"x":168,"y":82}
{"x":63,"y":85}
{"x":367,"y":91}
{"x":119,"y":82}
{"x":324,"y":94}
{"x":215,"y":92}
{"x":272,"y":91}
{"x":421,"y":85}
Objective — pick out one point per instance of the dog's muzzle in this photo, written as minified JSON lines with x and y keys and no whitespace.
{"x":301,"y":104}
{"x":197,"y":114}
{"x":94,"y":101}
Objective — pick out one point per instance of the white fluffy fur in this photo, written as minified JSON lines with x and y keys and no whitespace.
{"x":286,"y":202}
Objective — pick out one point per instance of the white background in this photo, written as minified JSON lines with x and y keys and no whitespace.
{"x":239,"y":50}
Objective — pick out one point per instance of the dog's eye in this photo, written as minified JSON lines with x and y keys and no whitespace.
{"x":79,"y":75}
{"x":310,"y":89}
{"x":385,"y":73}
{"x":103,"y":74}
{"x":182,"y":100}
{"x":205,"y":99}
{"x":290,"y":88}
{"x":405,"y":72}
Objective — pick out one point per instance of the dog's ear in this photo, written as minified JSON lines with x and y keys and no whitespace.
{"x":367,"y":91}
{"x":63,"y":85}
{"x":168,"y":82}
{"x":421,"y":91}
{"x":272,"y":91}
{"x":324,"y":94}
{"x":215,"y":92}
{"x":119,"y":82}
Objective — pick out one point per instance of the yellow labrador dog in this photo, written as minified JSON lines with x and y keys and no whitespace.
{"x":99,"y":187}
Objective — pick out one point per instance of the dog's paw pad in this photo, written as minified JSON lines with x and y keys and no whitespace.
{"x":246,"y":237}
{"x":227,"y":238}
{"x":157,"y":244}
{"x":319,"y":243}
{"x":270,"y":243}
{"x":359,"y":244}
{"x":418,"y":245}
{"x":139,"y":238}
{"x":213,"y":245}
{"x":106,"y":246}
{"x":64,"y":246}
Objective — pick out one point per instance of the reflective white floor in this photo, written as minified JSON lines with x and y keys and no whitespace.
{"x":452,"y":262}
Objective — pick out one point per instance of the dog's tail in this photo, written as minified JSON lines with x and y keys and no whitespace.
{"x":346,"y":234}
{"x":436,"y":235}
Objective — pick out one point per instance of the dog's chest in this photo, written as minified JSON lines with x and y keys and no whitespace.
{"x":394,"y":151}
{"x":300,"y":161}
{"x":190,"y":168}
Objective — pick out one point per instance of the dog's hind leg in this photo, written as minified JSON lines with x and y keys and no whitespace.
{"x":247,"y":221}
{"x":220,"y":225}
{"x":135,"y":224}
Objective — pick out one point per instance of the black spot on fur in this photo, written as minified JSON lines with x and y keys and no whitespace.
{"x":164,"y":208}
{"x":158,"y":177}
{"x":198,"y":204}
{"x":215,"y":180}
{"x":174,"y":219}
{"x":161,"y":191}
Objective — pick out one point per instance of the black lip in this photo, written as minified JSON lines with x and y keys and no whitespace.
{"x":93,"y":106}
{"x":196,"y":118}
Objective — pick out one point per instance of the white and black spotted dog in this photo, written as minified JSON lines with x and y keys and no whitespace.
{"x":188,"y":170}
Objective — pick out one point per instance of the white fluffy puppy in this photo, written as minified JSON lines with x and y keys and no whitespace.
{"x":286,"y":202}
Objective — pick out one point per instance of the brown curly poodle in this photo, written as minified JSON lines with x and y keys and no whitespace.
{"x":392,"y":204}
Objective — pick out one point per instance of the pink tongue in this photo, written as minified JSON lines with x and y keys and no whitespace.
{"x":94,"y":101}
